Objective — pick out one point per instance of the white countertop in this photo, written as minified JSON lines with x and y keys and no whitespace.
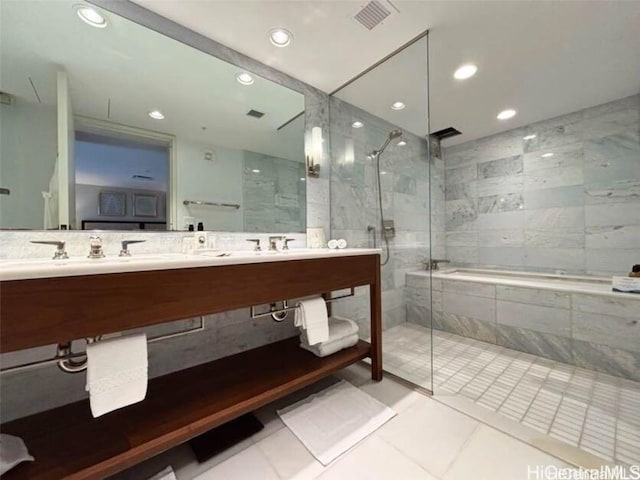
{"x":23,"y":269}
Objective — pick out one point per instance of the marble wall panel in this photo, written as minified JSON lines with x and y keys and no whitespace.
{"x":584,"y":195}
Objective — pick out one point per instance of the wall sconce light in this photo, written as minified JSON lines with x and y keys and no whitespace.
{"x":349,"y":152}
{"x":315,"y":158}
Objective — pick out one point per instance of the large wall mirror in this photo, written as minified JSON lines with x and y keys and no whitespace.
{"x":121,"y":127}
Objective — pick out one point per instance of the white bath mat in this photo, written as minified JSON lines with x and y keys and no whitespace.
{"x":332,"y":421}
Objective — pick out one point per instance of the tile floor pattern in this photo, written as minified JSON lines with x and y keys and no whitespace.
{"x":425,"y":441}
{"x":595,"y":412}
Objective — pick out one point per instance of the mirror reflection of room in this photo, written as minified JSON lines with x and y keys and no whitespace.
{"x":234,"y":153}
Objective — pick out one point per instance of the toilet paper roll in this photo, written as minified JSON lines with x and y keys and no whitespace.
{"x":342,"y":243}
{"x":333,"y":243}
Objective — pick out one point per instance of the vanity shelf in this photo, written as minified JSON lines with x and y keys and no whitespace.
{"x":68,"y":443}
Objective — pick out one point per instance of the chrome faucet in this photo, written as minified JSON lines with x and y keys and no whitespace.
{"x":60,"y":251}
{"x":95,"y":245}
{"x":124,"y":252}
{"x":273,"y":246}
{"x":434,"y":264}
{"x":256,"y":241}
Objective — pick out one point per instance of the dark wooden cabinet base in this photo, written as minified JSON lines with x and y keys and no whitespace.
{"x":68,"y":443}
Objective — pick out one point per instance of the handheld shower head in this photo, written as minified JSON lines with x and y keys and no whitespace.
{"x":392,"y":134}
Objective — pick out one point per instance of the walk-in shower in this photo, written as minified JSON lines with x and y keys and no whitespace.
{"x":522,"y":329}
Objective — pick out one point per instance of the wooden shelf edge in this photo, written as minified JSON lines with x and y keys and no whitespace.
{"x":314,"y":370}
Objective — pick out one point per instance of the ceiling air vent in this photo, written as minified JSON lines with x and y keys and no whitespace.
{"x":372,"y":14}
{"x":446,"y":133}
{"x":255,"y":113}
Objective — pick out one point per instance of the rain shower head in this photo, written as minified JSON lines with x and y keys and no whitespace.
{"x":392,"y":134}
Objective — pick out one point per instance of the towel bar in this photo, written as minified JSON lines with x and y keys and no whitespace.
{"x":274,"y":312}
{"x":64,"y":355}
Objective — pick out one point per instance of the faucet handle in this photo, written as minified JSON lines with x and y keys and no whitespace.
{"x":256,"y":248}
{"x":124,"y":252}
{"x":286,"y":242}
{"x":60,"y":251}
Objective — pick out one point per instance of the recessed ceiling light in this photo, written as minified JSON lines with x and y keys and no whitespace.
{"x":156,"y":115}
{"x":506,"y":114}
{"x":245,"y":78}
{"x":90,"y":16}
{"x":302,"y":179}
{"x":357,"y":124}
{"x":280,"y":37}
{"x":529,"y":137}
{"x":465,"y":71}
{"x":547,"y":155}
{"x":401,"y":143}
{"x":255,"y":170}
{"x":383,"y":173}
{"x":398,"y":105}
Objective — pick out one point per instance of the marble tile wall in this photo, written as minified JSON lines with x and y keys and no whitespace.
{"x":598,"y":332}
{"x":576,"y":211}
{"x":406,"y":189}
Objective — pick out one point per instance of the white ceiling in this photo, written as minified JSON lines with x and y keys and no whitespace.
{"x":122,"y":72}
{"x":543,"y":58}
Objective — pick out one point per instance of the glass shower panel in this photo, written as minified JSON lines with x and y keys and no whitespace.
{"x":380,"y":196}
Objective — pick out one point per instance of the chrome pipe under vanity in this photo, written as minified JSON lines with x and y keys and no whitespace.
{"x":66,"y":359}
{"x":276,"y":313}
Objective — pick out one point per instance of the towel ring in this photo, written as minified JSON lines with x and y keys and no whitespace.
{"x":70,"y":365}
{"x":280,"y":315}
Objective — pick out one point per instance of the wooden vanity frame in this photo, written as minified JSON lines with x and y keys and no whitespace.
{"x":68,"y":443}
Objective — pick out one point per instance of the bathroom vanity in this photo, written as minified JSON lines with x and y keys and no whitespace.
{"x":43,"y":307}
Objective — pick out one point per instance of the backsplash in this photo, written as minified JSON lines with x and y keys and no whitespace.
{"x":510,"y":204}
{"x":16,"y":244}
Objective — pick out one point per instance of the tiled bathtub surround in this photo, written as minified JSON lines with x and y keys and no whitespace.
{"x":507,"y":205}
{"x":46,"y":387}
{"x":587,"y":329}
{"x":405,"y":199}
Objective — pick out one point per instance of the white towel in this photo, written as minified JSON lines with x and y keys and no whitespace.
{"x":325,"y":349}
{"x":338,"y":328}
{"x":116,"y":373}
{"x":311,"y":316}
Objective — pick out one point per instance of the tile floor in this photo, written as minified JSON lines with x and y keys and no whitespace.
{"x":425,"y":441}
{"x":595,"y":412}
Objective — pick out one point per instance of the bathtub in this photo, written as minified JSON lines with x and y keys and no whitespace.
{"x":572,"y":319}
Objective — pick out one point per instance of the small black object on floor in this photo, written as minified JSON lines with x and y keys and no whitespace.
{"x":225,"y":436}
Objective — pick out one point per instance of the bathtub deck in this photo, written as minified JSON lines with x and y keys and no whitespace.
{"x":562,"y":283}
